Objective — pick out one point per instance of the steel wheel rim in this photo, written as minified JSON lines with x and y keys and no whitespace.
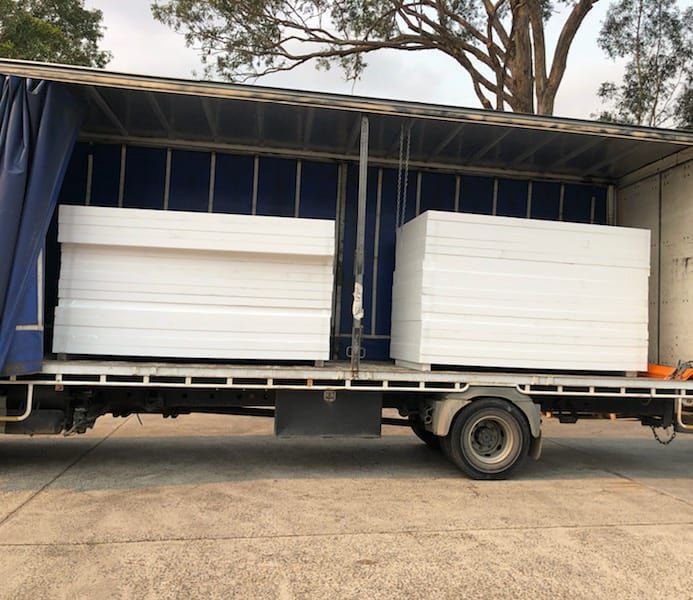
{"x":491,"y":441}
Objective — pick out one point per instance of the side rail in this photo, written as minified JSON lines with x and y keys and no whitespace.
{"x":25,"y":414}
{"x":382,"y":378}
{"x":684,"y":414}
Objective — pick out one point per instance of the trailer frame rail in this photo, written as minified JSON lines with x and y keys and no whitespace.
{"x":383,"y":377}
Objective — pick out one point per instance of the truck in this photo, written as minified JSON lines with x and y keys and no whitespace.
{"x":77,"y":136}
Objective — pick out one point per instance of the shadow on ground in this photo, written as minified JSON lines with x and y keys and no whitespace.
{"x":131,"y":463}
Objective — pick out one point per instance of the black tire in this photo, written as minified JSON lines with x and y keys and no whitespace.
{"x":428,"y":438}
{"x":488,"y":439}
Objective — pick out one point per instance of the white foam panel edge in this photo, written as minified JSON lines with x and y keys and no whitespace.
{"x":477,"y":290}
{"x":148,"y":283}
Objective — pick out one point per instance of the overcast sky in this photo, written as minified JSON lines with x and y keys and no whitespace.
{"x":142,"y":45}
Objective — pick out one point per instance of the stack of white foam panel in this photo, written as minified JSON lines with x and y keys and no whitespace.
{"x":476,"y":290}
{"x":194,"y":285}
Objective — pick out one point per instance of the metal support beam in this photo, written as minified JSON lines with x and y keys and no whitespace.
{"x":308,"y":129}
{"x":534,"y":148}
{"x":121,"y":179}
{"x":357,"y":305}
{"x":394,"y":147}
{"x":492,"y":144}
{"x":212,"y":182}
{"x":158,"y":111}
{"x":260,"y":123}
{"x":90,"y":177}
{"x":167,"y":177}
{"x":611,"y":206}
{"x":447,"y":140}
{"x":421,"y":136}
{"x":339,"y":257}
{"x":577,"y":152}
{"x":210,"y":116}
{"x":612,"y":158}
{"x":266,"y":150}
{"x":353,"y":137}
{"x":107,"y":110}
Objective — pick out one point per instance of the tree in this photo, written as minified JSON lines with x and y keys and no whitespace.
{"x":656,"y":39}
{"x":683,"y":111}
{"x":60,"y":31}
{"x":499,"y":43}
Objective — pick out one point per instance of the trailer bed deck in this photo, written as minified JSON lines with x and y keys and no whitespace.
{"x":335,"y":375}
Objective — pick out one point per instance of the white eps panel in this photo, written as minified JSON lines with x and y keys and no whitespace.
{"x":477,"y":290}
{"x":193,"y":285}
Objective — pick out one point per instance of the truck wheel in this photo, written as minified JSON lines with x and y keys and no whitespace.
{"x":488,"y":439}
{"x":428,"y":438}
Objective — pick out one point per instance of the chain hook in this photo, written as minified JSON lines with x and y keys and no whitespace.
{"x":667,"y":441}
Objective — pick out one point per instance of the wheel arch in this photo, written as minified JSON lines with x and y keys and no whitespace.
{"x":443,"y":410}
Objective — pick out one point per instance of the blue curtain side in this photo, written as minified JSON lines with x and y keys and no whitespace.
{"x":39,"y":123}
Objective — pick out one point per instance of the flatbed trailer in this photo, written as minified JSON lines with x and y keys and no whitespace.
{"x":325,"y":400}
{"x":147,"y":142}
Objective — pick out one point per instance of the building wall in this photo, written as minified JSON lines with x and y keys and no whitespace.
{"x":179,"y":179}
{"x":663,"y":203}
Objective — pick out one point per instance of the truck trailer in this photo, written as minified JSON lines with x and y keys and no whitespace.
{"x":76,"y":137}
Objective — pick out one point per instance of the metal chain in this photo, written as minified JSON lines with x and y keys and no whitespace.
{"x":399,"y":177}
{"x":406,"y":177}
{"x":664,"y":442}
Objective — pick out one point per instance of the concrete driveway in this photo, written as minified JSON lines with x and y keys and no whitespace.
{"x":183,"y":509}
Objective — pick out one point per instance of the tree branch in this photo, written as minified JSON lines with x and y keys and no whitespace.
{"x":500,"y":43}
{"x":539,"y":47}
{"x":560,"y":57}
{"x":494,"y":21}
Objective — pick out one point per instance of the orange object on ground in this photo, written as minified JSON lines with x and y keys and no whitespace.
{"x":666,"y":372}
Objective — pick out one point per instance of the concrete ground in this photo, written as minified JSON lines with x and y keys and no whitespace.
{"x":183,"y":509}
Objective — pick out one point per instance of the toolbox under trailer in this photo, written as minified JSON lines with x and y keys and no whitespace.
{"x":370,"y":165}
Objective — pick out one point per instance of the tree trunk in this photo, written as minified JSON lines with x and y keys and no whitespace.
{"x":546,"y":100}
{"x":520,"y":59}
{"x":545,"y":103}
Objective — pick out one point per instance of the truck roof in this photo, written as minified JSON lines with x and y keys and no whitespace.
{"x":202,"y":114}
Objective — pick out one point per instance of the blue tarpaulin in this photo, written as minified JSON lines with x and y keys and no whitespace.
{"x":39,"y":123}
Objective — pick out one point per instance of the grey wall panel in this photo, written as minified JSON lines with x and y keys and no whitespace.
{"x":637,"y":205}
{"x":676,"y":265}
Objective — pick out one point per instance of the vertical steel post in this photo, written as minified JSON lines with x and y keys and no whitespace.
{"x":611,"y":214}
{"x":357,"y":305}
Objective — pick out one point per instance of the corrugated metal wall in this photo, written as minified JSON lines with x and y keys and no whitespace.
{"x":177,"y":179}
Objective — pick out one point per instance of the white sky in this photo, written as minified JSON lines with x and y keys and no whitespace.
{"x":142,"y":45}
